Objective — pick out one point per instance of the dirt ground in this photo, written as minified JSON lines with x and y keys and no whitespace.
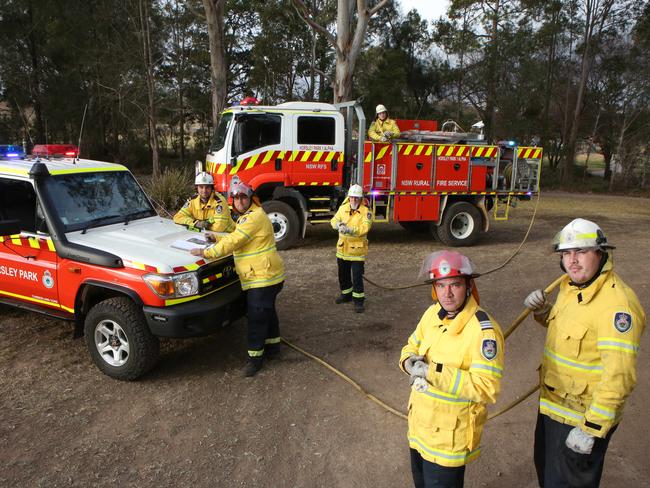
{"x":195,"y":421}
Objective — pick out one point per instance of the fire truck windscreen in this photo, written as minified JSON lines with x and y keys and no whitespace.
{"x":222,"y":130}
{"x":86,"y":200}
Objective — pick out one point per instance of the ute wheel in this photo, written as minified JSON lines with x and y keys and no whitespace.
{"x":460,"y":226}
{"x":119,"y":340}
{"x":285,"y":223}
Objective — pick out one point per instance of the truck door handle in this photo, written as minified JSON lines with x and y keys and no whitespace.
{"x":456,"y":166}
{"x":419,"y":165}
{"x":278,"y":164}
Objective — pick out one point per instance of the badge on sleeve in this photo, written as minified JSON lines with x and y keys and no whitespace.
{"x":369,"y":216}
{"x":187,"y":204}
{"x":622,"y":321}
{"x":489,"y":349}
{"x":241,"y":220}
{"x":219,"y":209}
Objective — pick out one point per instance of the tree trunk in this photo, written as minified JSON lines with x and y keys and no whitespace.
{"x":493,"y":52}
{"x":148,"y":64}
{"x":214,"y":12}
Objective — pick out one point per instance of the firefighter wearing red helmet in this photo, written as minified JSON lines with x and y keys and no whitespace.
{"x":260,"y":269}
{"x":208,"y":210}
{"x":589,"y":363}
{"x":455,"y":361}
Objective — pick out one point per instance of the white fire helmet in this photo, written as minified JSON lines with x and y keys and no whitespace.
{"x":355,"y":191}
{"x":581,"y":234}
{"x":380,"y":108}
{"x":204,"y":178}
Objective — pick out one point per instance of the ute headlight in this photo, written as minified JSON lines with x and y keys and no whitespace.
{"x":173,"y":286}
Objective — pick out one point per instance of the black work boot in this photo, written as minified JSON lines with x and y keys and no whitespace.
{"x":358,"y":306}
{"x":272,"y":351}
{"x":343,"y":298}
{"x":253,"y":366}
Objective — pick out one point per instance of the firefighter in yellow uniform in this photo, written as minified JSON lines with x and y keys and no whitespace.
{"x":383,"y":128}
{"x":208,"y":210}
{"x":455,"y":359}
{"x":260,"y":269}
{"x":589,"y":363}
{"x":353,"y":221}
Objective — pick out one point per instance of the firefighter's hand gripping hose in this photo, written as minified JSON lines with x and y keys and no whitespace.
{"x":522,"y":316}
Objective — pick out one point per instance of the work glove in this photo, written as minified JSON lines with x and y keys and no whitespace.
{"x":384,"y":139}
{"x":410,"y":361}
{"x":579,"y":441}
{"x":420,"y":368}
{"x":537,"y":302}
{"x":388,"y":134}
{"x":202,"y":224}
{"x":419,"y":384}
{"x":344,"y":229}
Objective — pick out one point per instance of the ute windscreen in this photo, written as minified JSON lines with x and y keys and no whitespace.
{"x":85,"y":200}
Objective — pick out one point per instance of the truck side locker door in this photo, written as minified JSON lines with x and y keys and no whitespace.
{"x":414,"y":167}
{"x":28,"y":261}
{"x":317,"y":150}
{"x":452,"y":168}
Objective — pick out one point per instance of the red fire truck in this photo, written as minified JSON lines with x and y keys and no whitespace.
{"x":301,"y":157}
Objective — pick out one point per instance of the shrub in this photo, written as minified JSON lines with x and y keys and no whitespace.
{"x":170,"y":190}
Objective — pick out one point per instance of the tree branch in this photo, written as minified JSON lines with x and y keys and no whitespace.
{"x":305,"y":14}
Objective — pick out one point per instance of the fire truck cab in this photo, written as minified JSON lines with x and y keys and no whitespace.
{"x":81,"y":241}
{"x":300,"y":157}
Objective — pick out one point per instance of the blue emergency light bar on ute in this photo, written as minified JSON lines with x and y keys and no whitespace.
{"x":8,"y":151}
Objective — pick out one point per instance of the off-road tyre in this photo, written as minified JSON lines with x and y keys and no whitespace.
{"x":117,"y":327}
{"x":461,"y":225}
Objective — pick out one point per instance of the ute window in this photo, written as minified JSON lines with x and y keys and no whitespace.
{"x":222,"y":132}
{"x":316,"y":130}
{"x":254,"y":131}
{"x":17,"y":206}
{"x":85,"y":200}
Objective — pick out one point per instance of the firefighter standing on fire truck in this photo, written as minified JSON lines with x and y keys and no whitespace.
{"x":589,"y":363}
{"x":353,"y":221}
{"x":455,"y":359}
{"x":383,"y":129}
{"x":208,"y":210}
{"x":260,"y":269}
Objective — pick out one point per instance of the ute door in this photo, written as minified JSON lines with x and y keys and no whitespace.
{"x":28,"y":261}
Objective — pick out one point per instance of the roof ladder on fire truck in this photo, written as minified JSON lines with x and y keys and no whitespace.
{"x":319,"y":208}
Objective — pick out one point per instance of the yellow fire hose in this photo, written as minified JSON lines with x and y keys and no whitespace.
{"x":522,"y":316}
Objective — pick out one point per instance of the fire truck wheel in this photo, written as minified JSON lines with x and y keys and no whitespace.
{"x":285,"y":223}
{"x":460,"y":226}
{"x":119,"y":339}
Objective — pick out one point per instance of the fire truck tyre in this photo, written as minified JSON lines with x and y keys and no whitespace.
{"x":285,"y":223}
{"x":119,"y":339}
{"x":461,"y":225}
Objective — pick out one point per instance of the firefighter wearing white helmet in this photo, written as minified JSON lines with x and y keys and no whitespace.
{"x":260,"y":269}
{"x":383,"y":128}
{"x":208,"y":210}
{"x":455,"y":361}
{"x":352,"y":221}
{"x":589,"y":363}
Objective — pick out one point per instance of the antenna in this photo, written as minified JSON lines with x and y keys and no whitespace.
{"x":81,"y":131}
{"x":22,"y":116}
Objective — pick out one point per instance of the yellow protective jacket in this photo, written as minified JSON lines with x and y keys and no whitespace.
{"x":589,"y":363}
{"x":353,"y":246}
{"x":378,"y":128}
{"x":215,"y":211}
{"x":465,"y":357}
{"x":252,"y":244}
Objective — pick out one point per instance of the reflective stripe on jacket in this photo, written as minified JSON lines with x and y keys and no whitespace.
{"x":589,"y":363}
{"x":353,"y":246}
{"x":465,"y":356}
{"x":378,"y":128}
{"x":252,"y":244}
{"x":215,"y":211}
